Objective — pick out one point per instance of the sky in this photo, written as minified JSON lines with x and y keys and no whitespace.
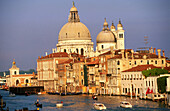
{"x":29,"y":28}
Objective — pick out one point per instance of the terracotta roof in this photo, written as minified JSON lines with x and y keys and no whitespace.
{"x":22,"y":75}
{"x":94,"y":62}
{"x":76,"y":55}
{"x":167,"y":68}
{"x":58,"y":54}
{"x":67,"y":61}
{"x":140,"y":68}
{"x":168,"y":61}
{"x":106,"y":53}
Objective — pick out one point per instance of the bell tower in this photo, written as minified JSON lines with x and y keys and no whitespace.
{"x":120,"y":36}
{"x":14,"y":70}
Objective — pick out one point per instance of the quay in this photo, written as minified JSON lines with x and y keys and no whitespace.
{"x":24,"y":90}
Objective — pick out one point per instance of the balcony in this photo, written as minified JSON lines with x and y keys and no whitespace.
{"x":102,"y":80}
{"x":92,"y":83}
{"x":70,"y":80}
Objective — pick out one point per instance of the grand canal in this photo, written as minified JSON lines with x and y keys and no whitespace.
{"x":78,"y":103}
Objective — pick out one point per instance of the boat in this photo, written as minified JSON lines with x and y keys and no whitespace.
{"x":125,"y":104}
{"x":38,"y":105}
{"x":12,"y":95}
{"x":94,"y":98}
{"x":44,"y":92}
{"x":59,"y":104}
{"x":99,"y":106}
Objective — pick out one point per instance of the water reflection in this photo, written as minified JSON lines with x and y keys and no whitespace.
{"x":78,"y":102}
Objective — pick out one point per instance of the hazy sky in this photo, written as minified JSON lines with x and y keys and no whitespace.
{"x":29,"y":28}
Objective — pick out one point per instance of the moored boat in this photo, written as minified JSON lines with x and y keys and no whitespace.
{"x":43,"y":92}
{"x":125,"y":104}
{"x":99,"y":106}
{"x":11,"y":95}
{"x":59,"y":104}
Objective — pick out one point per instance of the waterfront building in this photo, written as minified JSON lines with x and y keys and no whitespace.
{"x":16,"y":79}
{"x":133,"y":82}
{"x":46,"y":69}
{"x":93,"y":75}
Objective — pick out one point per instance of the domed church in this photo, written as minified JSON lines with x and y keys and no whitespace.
{"x":110,"y":38}
{"x":74,"y":36}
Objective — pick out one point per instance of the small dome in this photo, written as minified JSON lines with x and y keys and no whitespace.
{"x":73,"y":9}
{"x":105,"y":23}
{"x":74,"y":31}
{"x":119,"y":25}
{"x":112,"y":26}
{"x":105,"y":36}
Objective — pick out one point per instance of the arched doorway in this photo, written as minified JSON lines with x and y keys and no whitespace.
{"x":82,"y":51}
{"x":17,"y":82}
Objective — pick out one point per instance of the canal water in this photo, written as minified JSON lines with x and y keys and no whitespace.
{"x":78,"y":103}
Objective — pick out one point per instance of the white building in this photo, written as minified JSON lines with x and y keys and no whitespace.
{"x":74,"y":36}
{"x":133,"y":81}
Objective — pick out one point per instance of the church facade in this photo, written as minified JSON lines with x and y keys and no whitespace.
{"x":75,"y":37}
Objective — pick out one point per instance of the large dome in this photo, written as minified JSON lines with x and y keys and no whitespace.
{"x":74,"y":31}
{"x":105,"y":36}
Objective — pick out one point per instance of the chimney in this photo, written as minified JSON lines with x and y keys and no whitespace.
{"x":122,"y":51}
{"x":46,"y":54}
{"x":159,"y":53}
{"x":154,"y":52}
{"x":126,"y":53}
{"x":151,"y":50}
{"x":132,"y":53}
{"x":163,"y":53}
{"x":111,"y":49}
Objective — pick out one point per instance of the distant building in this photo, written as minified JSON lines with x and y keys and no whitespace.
{"x":15,"y":79}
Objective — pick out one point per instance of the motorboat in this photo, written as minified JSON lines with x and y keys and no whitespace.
{"x":99,"y":106}
{"x":94,"y":98}
{"x":59,"y":104}
{"x":125,"y":104}
{"x":12,"y":95}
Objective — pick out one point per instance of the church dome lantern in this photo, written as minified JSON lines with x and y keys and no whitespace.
{"x":105,"y":35}
{"x":74,"y":29}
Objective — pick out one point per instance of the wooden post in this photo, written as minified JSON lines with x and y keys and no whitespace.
{"x":131,"y":91}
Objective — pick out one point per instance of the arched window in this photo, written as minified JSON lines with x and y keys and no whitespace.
{"x":78,"y":34}
{"x":162,"y":61}
{"x":26,"y":81}
{"x":17,"y":82}
{"x":77,"y":50}
{"x":102,"y":46}
{"x":15,"y":72}
{"x":118,"y":62}
{"x":64,"y":50}
{"x":82,"y":51}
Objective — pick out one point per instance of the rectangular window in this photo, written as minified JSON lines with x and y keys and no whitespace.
{"x":120,"y":35}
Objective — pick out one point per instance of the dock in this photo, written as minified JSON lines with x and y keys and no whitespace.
{"x":24,"y":90}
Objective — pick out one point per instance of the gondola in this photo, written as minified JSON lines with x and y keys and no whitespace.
{"x":38,"y":105}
